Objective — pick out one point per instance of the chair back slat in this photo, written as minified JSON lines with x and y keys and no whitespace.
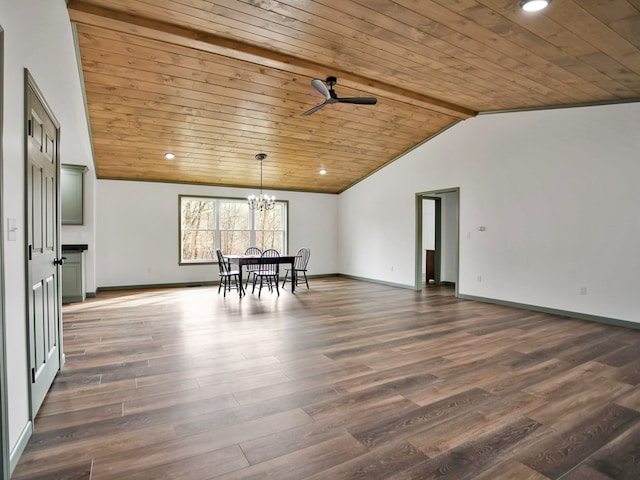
{"x":222,"y":263}
{"x":265,"y":265}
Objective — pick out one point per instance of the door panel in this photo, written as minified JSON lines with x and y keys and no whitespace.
{"x":42,"y":206}
{"x":36,"y":241}
{"x":37,"y":326}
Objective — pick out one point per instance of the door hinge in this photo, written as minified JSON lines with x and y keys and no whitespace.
{"x":30,"y":252}
{"x":33,"y":375}
{"x":29,"y":128}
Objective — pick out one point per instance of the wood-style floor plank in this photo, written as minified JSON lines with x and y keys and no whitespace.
{"x":555,"y":455}
{"x":345,"y":380}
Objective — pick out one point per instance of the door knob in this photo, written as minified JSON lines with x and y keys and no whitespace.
{"x":59,"y":261}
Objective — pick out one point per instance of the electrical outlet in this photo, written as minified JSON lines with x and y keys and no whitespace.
{"x":583,"y":290}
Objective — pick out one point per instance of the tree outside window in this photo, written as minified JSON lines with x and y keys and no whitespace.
{"x":234,"y":226}
{"x":269,"y":229}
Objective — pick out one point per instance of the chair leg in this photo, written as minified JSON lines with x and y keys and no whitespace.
{"x":305,"y":279}
{"x":285,"y":278}
{"x":241,"y":292}
{"x":275,"y":278}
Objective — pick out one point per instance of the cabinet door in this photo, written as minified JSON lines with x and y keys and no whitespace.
{"x":73,"y":289}
{"x":72,"y":194}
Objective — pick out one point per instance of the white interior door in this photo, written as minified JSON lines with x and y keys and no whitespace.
{"x":42,"y":236}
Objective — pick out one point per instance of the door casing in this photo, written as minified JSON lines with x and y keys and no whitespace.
{"x":4,"y":398}
{"x":419,"y":253}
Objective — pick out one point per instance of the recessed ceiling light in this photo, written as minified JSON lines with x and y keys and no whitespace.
{"x":534,"y":5}
{"x":169,"y":155}
{"x":323,"y":172}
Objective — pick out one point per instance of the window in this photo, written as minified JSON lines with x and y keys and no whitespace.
{"x":209,"y":223}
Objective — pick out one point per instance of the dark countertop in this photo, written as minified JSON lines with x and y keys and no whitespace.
{"x":77,"y":247}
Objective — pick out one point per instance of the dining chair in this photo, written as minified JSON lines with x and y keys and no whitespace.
{"x":252,"y":267}
{"x":228,"y":276}
{"x":268,"y":272}
{"x":299,"y":265}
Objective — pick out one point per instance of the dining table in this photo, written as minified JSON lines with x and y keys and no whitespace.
{"x":243,"y":260}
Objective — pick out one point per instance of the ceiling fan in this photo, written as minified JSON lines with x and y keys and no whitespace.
{"x":332,"y":97}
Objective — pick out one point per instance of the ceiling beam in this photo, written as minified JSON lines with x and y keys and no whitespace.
{"x":81,"y":12}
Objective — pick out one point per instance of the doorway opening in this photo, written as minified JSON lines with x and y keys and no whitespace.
{"x":437,"y":238}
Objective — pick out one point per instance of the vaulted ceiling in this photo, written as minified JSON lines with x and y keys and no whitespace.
{"x":218,"y":81}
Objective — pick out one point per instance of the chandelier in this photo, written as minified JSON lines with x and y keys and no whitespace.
{"x":261,"y":202}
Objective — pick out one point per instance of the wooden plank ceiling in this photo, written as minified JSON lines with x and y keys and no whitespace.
{"x":218,"y":81}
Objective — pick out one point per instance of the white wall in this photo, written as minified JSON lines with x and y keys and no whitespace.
{"x":38,"y":37}
{"x":556,"y":189}
{"x":137,"y":231}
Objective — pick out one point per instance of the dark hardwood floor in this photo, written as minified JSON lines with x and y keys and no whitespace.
{"x":347,"y":380}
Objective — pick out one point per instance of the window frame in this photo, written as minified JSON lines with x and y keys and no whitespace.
{"x":217,"y":200}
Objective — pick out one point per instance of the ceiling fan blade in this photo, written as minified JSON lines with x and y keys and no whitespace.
{"x":321,"y":87}
{"x":314,"y":109}
{"x":359,"y":100}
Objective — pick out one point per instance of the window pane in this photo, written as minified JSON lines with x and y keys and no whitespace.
{"x":234,"y":226}
{"x":269,"y":239}
{"x":234,"y":215}
{"x":269,"y":226}
{"x":198,"y":245}
{"x":197,"y":213}
{"x":269,"y":219}
{"x":234,"y":242}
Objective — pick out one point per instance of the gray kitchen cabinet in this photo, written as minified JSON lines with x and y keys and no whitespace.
{"x":73,"y":276}
{"x":72,"y":194}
